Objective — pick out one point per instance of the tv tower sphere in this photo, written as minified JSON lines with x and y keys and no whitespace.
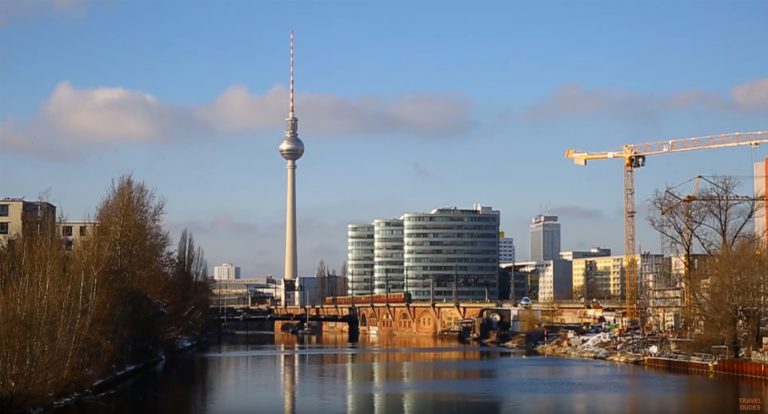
{"x":291,"y":148}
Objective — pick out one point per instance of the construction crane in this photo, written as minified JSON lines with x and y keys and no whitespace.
{"x":634,"y":156}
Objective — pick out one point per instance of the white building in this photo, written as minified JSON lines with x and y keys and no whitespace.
{"x":226,"y":271}
{"x":452,"y":253}
{"x":360,"y":259}
{"x":544,"y":238}
{"x":554,"y":278}
{"x":506,"y":249}
{"x":388,"y":256}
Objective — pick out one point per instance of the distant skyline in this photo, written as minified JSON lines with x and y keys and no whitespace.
{"x":402,"y":106}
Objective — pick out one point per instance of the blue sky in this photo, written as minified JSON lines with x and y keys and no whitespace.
{"x":403,"y":106}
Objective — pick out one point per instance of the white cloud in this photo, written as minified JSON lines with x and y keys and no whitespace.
{"x":237,"y":110}
{"x":84,"y":119}
{"x":105,"y":114}
{"x":751,"y":95}
{"x":573,"y":100}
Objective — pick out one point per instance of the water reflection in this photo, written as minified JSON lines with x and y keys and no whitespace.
{"x":289,"y":374}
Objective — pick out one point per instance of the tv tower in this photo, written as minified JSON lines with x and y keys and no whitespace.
{"x":291,"y":149}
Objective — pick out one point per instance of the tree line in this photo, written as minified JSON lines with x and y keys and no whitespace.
{"x":725,"y":263}
{"x":68,"y":318}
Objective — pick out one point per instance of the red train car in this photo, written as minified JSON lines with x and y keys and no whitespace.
{"x":398,"y":297}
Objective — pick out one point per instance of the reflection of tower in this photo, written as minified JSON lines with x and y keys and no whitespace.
{"x":291,"y":149}
{"x":288,"y":370}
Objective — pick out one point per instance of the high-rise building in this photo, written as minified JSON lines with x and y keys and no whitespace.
{"x":226,"y":271}
{"x":360,"y":244}
{"x":506,"y":249}
{"x":388,"y":255}
{"x":452,"y":254}
{"x":544,"y":238}
{"x":761,"y":191}
{"x":20,"y":218}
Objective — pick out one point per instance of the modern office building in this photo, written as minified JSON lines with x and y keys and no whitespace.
{"x":226,"y":271}
{"x":506,"y":249}
{"x":544,"y":238}
{"x":74,"y":232}
{"x":452,"y":254}
{"x":360,"y":259}
{"x":20,"y":218}
{"x":388,"y":268}
{"x":553,"y":277}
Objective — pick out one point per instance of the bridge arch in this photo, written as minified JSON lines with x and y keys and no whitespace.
{"x":425,"y":322}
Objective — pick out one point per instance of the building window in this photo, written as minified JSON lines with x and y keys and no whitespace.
{"x":3,"y":210}
{"x":83,"y":231}
{"x":3,"y":228}
{"x":66,"y":231}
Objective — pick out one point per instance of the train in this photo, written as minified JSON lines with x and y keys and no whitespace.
{"x":397,"y":297}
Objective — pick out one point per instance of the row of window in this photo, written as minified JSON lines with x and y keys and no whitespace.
{"x":492,"y":219}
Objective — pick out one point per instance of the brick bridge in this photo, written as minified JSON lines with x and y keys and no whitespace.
{"x":421,"y":318}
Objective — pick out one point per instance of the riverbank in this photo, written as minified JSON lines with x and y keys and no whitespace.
{"x":636,"y":349}
{"x":119,"y":376}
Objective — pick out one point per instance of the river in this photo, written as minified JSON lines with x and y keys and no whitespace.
{"x":286,"y":374}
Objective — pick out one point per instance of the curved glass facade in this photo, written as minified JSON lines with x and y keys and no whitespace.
{"x":452,"y":253}
{"x":360,"y":259}
{"x":388,"y":256}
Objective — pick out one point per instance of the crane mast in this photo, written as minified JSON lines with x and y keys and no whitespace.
{"x":634,"y":156}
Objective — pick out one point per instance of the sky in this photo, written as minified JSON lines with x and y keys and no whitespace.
{"x":402,"y":106}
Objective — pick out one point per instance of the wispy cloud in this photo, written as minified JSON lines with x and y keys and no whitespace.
{"x":11,"y":9}
{"x":578,"y":212}
{"x":574,"y":100}
{"x":73,"y":118}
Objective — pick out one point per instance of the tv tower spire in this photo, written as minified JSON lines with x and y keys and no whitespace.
{"x":291,"y":149}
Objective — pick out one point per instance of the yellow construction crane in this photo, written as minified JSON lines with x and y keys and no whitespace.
{"x":634,"y":157}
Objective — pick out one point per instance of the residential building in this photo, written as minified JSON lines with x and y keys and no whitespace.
{"x":452,"y":253}
{"x":388,"y":256}
{"x":19,"y":218}
{"x":553,"y":278}
{"x":593,"y":252}
{"x":360,"y":259}
{"x":506,"y":249}
{"x":74,"y":232}
{"x":226,"y":271}
{"x":604,"y":277}
{"x":544,"y":238}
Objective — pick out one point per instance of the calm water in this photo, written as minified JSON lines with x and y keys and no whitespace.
{"x":283,"y":374}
